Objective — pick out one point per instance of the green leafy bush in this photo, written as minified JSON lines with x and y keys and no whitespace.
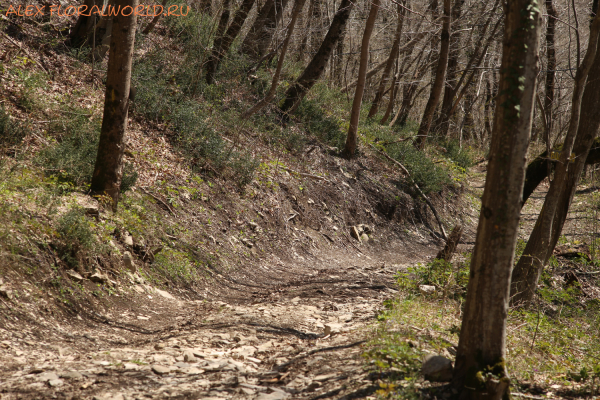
{"x":72,"y":158}
{"x":316,"y":122}
{"x":11,"y":132}
{"x":462,"y":156}
{"x":429,"y":176}
{"x":76,"y":236}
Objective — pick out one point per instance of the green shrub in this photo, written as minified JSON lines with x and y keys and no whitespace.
{"x":72,"y":158}
{"x":76,"y":236}
{"x":429,"y":176}
{"x":317,"y":123}
{"x":463,"y":157}
{"x":11,"y":132}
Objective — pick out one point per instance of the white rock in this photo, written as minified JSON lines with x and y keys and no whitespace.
{"x":427,"y":289}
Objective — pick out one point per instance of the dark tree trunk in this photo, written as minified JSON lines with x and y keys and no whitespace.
{"x":223,"y":43}
{"x":257,"y":41}
{"x":438,"y":83}
{"x":250,"y":44}
{"x":537,"y":170}
{"x":315,"y":68}
{"x":449,"y":91}
{"x":550,"y":74}
{"x":108,"y":170}
{"x":352,"y":138}
{"x":388,"y":66}
{"x":480,"y":371}
{"x":538,"y":249}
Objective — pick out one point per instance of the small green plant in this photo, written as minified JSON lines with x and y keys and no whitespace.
{"x":71,"y":160}
{"x":75,"y":236}
{"x":11,"y":132}
{"x":462,"y":156}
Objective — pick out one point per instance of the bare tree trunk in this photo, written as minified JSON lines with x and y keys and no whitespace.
{"x":339,"y":58}
{"x":271,"y":94}
{"x":453,"y":56}
{"x":550,"y":75}
{"x":274,"y":19}
{"x":352,"y":138}
{"x":537,"y":170}
{"x":108,"y":170}
{"x":438,"y":84}
{"x":315,"y":68}
{"x":480,"y":371}
{"x":222,"y":43}
{"x":250,"y":44}
{"x":538,"y":249}
{"x":154,"y":21}
{"x":389,"y":65}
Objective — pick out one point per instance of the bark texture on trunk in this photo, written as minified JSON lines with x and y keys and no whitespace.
{"x":257,"y":41}
{"x":315,"y":68}
{"x":275,"y":82}
{"x":108,"y":170}
{"x":223,"y":43}
{"x":480,"y":371}
{"x":438,"y":83}
{"x":550,"y":74}
{"x":537,"y":170}
{"x":352,"y":138}
{"x":388,"y":66}
{"x":453,"y":56}
{"x":538,"y":249}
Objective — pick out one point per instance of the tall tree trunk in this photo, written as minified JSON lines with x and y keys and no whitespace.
{"x":339,"y":59}
{"x":537,"y":170}
{"x":480,"y":371}
{"x":467,"y":77}
{"x":389,"y":65}
{"x":271,"y":93}
{"x":449,"y":92}
{"x":222,"y":43}
{"x":274,"y":19}
{"x":438,"y":83}
{"x":393,"y":94}
{"x":352,"y":138}
{"x":315,"y":68}
{"x":538,"y":249}
{"x":108,"y":170}
{"x":550,"y":75}
{"x":249,"y":46}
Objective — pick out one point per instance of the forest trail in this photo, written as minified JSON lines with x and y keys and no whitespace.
{"x":287,"y":330}
{"x":299,"y":339}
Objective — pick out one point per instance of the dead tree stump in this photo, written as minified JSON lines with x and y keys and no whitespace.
{"x":448,"y":251}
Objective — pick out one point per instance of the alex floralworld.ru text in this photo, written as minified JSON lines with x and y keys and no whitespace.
{"x":69,"y":11}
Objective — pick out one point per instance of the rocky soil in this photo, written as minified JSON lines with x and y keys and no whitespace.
{"x":305,"y":342}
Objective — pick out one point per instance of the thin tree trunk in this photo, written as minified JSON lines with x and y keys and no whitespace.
{"x":550,"y":75}
{"x":274,"y":19}
{"x":108,"y":170}
{"x":537,"y":170}
{"x":154,"y":21}
{"x":317,"y":65}
{"x":249,"y":45}
{"x":223,"y":43}
{"x":388,"y":66}
{"x":352,"y":138}
{"x":537,"y":251}
{"x":453,"y":56}
{"x":480,"y":371}
{"x":271,"y":94}
{"x":438,"y":83}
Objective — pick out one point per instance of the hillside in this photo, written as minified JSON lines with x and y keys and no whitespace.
{"x":248,"y":256}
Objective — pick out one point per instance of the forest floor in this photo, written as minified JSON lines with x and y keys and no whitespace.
{"x":195,"y":289}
